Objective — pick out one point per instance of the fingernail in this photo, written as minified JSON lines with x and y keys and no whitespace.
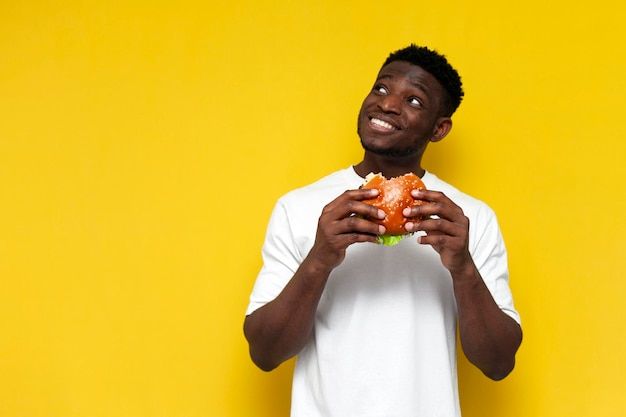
{"x":406,"y":211}
{"x":409,"y":226}
{"x":381,"y":214}
{"x":381,"y":229}
{"x":416,"y":193}
{"x":373,"y":191}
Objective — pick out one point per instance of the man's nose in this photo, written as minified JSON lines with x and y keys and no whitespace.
{"x":390,"y":104}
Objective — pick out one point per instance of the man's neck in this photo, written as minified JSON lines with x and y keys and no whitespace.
{"x":388,"y":166}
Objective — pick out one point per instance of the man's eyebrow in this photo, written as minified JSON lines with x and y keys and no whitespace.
{"x":420,"y":85}
{"x":414,"y":82}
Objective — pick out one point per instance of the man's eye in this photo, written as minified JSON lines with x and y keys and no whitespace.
{"x":380,"y":89}
{"x":414,"y":101}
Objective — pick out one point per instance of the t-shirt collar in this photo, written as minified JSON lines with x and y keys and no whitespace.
{"x":357,"y":180}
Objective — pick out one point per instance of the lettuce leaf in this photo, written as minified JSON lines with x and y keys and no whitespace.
{"x":389,"y":240}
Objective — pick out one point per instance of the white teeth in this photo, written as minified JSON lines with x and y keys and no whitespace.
{"x":381,"y":123}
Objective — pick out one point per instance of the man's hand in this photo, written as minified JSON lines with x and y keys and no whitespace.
{"x":344,"y":222}
{"x":489,"y":337}
{"x":282,"y":327}
{"x":447,"y":233}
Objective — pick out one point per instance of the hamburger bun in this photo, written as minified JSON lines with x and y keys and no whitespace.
{"x":394,"y":195}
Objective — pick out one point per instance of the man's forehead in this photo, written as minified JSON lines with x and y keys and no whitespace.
{"x":415,"y":74}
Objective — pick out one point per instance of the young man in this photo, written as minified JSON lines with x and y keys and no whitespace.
{"x":374,"y":327}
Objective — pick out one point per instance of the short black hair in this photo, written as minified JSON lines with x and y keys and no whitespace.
{"x":438,"y":66}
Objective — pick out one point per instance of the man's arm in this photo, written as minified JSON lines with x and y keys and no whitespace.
{"x":489,"y":337}
{"x":280,"y":329}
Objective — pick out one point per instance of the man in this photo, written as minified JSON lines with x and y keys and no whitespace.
{"x":374,"y":327}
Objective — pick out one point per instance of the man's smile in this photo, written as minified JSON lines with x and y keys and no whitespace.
{"x":378,"y":124}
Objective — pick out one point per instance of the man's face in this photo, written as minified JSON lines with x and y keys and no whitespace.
{"x":400,"y":115}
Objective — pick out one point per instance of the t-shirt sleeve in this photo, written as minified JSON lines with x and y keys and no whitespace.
{"x":490,"y":257}
{"x":281,"y":259}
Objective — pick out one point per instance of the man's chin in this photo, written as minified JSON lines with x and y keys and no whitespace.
{"x":389,"y":152}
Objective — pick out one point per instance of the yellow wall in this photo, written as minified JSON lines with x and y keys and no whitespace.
{"x":125,"y":129}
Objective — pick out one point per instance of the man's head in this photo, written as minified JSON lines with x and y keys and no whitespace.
{"x":438,"y":66}
{"x":415,"y":93}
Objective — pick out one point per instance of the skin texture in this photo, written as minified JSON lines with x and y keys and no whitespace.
{"x":409,"y":99}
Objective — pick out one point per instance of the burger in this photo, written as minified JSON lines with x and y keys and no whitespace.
{"x":394,"y":195}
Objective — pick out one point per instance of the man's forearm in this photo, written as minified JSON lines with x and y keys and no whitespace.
{"x":489,"y":337}
{"x":280,"y":329}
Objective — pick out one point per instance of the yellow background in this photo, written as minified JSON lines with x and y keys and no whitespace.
{"x":132,"y":139}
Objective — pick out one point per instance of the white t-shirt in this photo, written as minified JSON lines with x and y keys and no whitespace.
{"x":384,"y":342}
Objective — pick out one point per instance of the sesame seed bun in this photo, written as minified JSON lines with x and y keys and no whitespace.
{"x":393,"y":197}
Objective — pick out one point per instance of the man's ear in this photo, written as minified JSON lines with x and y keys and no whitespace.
{"x":442,"y":127}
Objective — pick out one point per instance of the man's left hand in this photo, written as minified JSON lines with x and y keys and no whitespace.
{"x":446,"y":227}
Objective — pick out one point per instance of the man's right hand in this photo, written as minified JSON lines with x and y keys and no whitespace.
{"x":281,"y":328}
{"x":342,"y":223}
